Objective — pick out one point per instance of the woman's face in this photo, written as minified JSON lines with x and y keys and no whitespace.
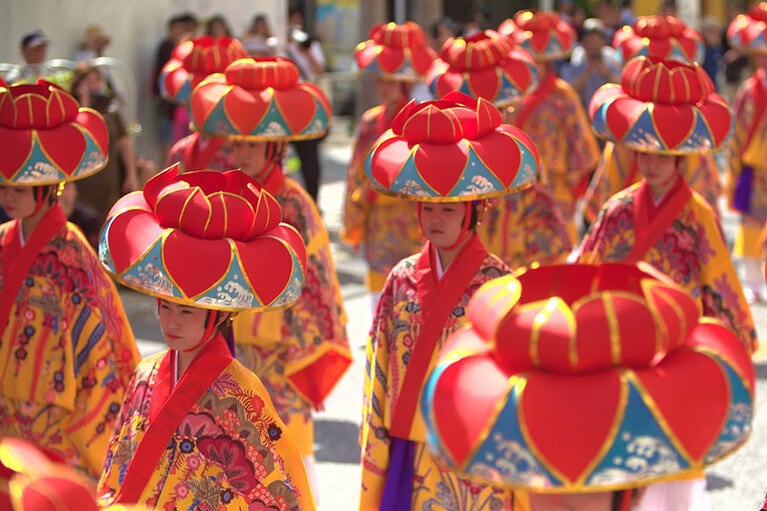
{"x":250,"y":157}
{"x":388,"y":90}
{"x":18,"y":201}
{"x":659,"y":170}
{"x":181,"y":326}
{"x":93,"y":82}
{"x":441,"y":222}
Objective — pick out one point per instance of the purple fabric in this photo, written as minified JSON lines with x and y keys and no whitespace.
{"x":230,"y":342}
{"x":742,"y":197}
{"x":398,"y":491}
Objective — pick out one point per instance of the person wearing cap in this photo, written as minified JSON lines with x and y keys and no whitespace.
{"x":34,"y":49}
{"x":523,"y":227}
{"x":552,"y":114}
{"x":198,"y":429}
{"x":558,"y":387}
{"x":592,"y":63}
{"x":190,"y":62}
{"x":662,"y":36}
{"x":301,"y":352}
{"x":66,"y":347}
{"x":446,"y":155}
{"x":386,"y":227}
{"x":92,"y":44}
{"x":747,"y":177}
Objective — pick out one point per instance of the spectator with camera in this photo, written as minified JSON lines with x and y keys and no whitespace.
{"x":593,"y":63}
{"x":306,"y":52}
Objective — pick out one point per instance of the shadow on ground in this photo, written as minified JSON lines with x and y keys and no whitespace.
{"x":337,"y":441}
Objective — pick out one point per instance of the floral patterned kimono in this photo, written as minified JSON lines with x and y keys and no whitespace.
{"x":525,"y":227}
{"x":617,"y":170}
{"x":680,"y":237}
{"x":554,"y":118}
{"x":66,"y":348}
{"x":211,"y":441}
{"x":386,"y":226}
{"x":416,"y":309}
{"x":747,"y":179}
{"x":198,"y":152}
{"x":301,"y":352}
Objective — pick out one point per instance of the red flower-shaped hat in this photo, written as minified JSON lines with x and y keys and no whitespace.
{"x":40,"y":484}
{"x":206,"y":239}
{"x":453,"y":149}
{"x":260,"y":99}
{"x":662,"y":106}
{"x":747,"y":31}
{"x":577,"y":378}
{"x":663,"y":36}
{"x":543,"y":33}
{"x":485,"y":65}
{"x":397,"y":52}
{"x":193,"y":60}
{"x":47,"y":138}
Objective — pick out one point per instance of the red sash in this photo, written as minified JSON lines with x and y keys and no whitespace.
{"x":17,"y":260}
{"x":196,"y":158}
{"x":650,"y":221}
{"x":437,"y":300}
{"x":531,"y":101}
{"x":167,"y":409}
{"x":274,"y":181}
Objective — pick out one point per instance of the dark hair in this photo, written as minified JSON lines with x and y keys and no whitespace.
{"x":474,"y":219}
{"x":220,"y":19}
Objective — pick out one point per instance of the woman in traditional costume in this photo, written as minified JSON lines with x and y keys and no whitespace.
{"x":191,"y":62}
{"x":553,"y":114}
{"x":448,"y":155}
{"x":662,"y":110}
{"x":386,"y":227}
{"x":301,"y":352}
{"x":666,"y":37}
{"x":524,"y":227}
{"x":747,"y":180}
{"x":556,"y":385}
{"x":198,"y":429}
{"x":66,"y":347}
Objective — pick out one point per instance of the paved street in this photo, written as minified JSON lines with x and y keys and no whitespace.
{"x":736,"y":483}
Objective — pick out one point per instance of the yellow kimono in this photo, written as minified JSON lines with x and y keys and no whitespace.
{"x":210,"y":441}
{"x":301,"y":352}
{"x":554,"y":118}
{"x":680,"y":237}
{"x":390,"y":350}
{"x":617,"y":170}
{"x":66,"y":348}
{"x":525,"y":228}
{"x":385,"y":226}
{"x":747,"y":177}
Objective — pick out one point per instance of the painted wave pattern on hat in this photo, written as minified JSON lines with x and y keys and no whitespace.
{"x":558,"y":384}
{"x":47,"y":137}
{"x":202,"y":239}
{"x":453,"y":149}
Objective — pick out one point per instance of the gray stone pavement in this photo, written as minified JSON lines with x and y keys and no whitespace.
{"x":736,"y":483}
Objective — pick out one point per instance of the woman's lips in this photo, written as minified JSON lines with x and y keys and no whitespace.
{"x":172,"y":336}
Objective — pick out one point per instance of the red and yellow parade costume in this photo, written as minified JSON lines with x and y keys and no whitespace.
{"x":668,"y":107}
{"x":301,"y":352}
{"x":66,"y":347}
{"x":453,"y":150}
{"x":747,"y":178}
{"x":190,"y":62}
{"x":666,"y":37}
{"x":385,"y":227}
{"x":552,"y":114}
{"x":209,"y":436}
{"x":524,"y":227}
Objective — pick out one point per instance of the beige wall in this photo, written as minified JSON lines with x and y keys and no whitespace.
{"x":136,"y":28}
